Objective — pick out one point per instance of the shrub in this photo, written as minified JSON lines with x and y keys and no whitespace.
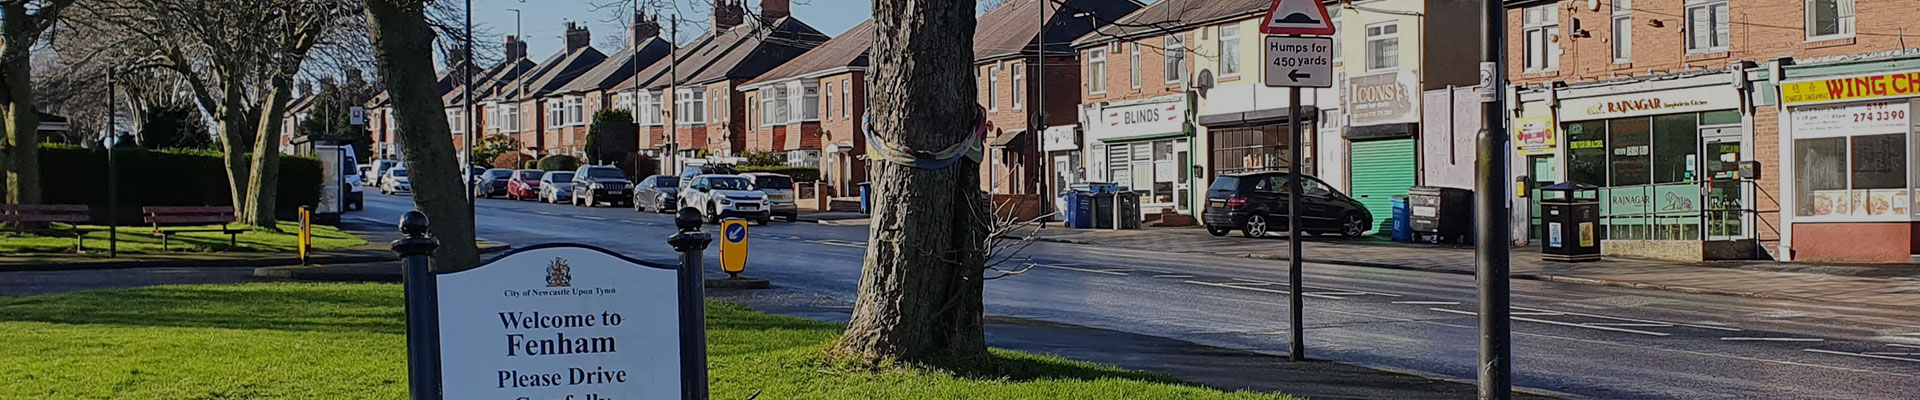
{"x":531,"y":164}
{"x":799,"y":174}
{"x":560,"y":162}
{"x":611,"y":137}
{"x":73,"y":175}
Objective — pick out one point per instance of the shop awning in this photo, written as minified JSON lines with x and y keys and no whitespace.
{"x":1007,"y":139}
{"x":1257,"y":117}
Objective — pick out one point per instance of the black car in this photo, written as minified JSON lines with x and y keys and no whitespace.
{"x":658,"y":193}
{"x":595,"y":184}
{"x":492,"y":182}
{"x":1256,"y":203}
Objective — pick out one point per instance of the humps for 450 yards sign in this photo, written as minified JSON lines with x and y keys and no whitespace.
{"x":560,"y":322}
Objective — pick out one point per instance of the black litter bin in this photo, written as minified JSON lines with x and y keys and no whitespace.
{"x":1102,"y":210}
{"x":1440,"y":213}
{"x":1129,"y":210}
{"x":1570,"y":212}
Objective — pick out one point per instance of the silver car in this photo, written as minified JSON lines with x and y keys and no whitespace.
{"x":781,"y":198}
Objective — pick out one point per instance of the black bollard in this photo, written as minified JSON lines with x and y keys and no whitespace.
{"x":692,"y":243}
{"x":423,"y":316}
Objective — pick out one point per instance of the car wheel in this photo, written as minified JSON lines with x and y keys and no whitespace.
{"x":592,"y":200}
{"x":1352,"y":226}
{"x":713,"y":217}
{"x":1218,"y":231}
{"x":636,"y":206}
{"x":762,"y":221}
{"x":1256,"y":226}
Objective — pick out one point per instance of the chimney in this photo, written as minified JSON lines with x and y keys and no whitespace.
{"x":516,"y":49}
{"x":578,"y":37}
{"x":774,"y":10}
{"x":643,"y":28}
{"x":727,"y":14}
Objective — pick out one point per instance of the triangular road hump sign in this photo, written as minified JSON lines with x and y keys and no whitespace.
{"x":1297,"y":17}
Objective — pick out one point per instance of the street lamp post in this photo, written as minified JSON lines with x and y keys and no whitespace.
{"x":466,"y":108}
{"x":113,"y":170}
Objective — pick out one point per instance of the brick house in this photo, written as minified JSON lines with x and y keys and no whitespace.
{"x":594,"y":88}
{"x":809,"y":109}
{"x":547,"y":126}
{"x":1009,"y":52}
{"x":1670,"y":107}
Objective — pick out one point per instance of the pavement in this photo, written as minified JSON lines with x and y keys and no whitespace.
{"x":1890,"y":285}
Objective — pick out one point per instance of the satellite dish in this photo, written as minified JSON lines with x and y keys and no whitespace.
{"x":1205,"y":81}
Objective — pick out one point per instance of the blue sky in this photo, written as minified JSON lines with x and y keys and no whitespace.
{"x":543,"y":21}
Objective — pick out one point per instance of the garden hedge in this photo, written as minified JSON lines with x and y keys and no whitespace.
{"x":560,"y":162}
{"x":74,"y":175}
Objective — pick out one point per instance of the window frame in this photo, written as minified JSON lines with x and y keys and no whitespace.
{"x":1018,"y":76}
{"x":1229,"y":47}
{"x":1373,"y":39}
{"x":1622,"y":46}
{"x":993,"y":88}
{"x":1847,"y":22}
{"x":1133,"y":64}
{"x":1174,"y":46}
{"x":1719,"y":23}
{"x":576,"y":111}
{"x":1097,"y":70}
{"x":556,"y":114}
{"x":826,"y":107}
{"x":456,"y":120}
{"x":807,"y":95}
{"x":1546,"y":28}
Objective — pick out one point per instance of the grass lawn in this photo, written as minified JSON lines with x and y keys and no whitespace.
{"x":345,"y":341}
{"x":140,"y":240}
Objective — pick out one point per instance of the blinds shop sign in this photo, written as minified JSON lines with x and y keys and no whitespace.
{"x":560,"y":322}
{"x":1155,"y":116}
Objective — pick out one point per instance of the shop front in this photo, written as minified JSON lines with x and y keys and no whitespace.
{"x":1666,"y":157}
{"x":1382,"y":154}
{"x":1144,"y":145}
{"x":1851,"y":147}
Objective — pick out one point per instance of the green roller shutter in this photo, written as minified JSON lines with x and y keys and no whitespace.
{"x":1378,"y":171}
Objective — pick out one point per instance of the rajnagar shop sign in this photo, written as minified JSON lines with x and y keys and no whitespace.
{"x":1671,"y":101}
{"x":561,"y":322}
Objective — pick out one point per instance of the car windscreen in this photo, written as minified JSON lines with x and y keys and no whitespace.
{"x":605,"y":173}
{"x":773,"y":182}
{"x":530,"y":175}
{"x":499,"y":173}
{"x":1224,"y":184}
{"x":398,"y":171}
{"x":666,"y":182}
{"x":562,"y":176}
{"x":730,"y":183}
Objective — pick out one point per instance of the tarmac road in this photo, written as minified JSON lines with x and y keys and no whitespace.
{"x":1583,"y":340}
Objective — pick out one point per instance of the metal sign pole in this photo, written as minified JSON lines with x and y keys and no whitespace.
{"x":113,"y":170}
{"x":692,"y":243}
{"x":1296,"y":345}
{"x":1490,"y":243}
{"x":415,"y":248}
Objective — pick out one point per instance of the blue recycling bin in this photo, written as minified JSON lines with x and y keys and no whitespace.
{"x":1079,"y":210}
{"x":866,"y":197}
{"x":1402,"y":231}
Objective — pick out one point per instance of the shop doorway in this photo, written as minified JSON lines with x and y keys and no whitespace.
{"x":1725,"y":216}
{"x":1540,"y":172}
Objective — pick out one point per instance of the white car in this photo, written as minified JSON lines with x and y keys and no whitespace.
{"x":396,"y":182}
{"x":718,"y":197}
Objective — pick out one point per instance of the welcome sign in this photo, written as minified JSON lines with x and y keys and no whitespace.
{"x":561,"y":322}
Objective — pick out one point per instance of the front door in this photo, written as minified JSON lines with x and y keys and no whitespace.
{"x":1725,"y":189}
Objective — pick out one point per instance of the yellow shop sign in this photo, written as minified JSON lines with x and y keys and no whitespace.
{"x":1869,"y":87}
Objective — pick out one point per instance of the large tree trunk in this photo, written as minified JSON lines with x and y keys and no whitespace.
{"x":234,"y":139}
{"x":401,"y":40}
{"x":920,"y":291}
{"x":265,"y":177}
{"x":20,"y":148}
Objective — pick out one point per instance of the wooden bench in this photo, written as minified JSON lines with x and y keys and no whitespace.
{"x":40,"y":217}
{"x":167,"y":221}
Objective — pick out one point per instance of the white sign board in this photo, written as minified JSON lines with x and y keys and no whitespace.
{"x":562,"y":322}
{"x":1672,"y":101}
{"x":1299,"y":62}
{"x":1869,"y":118}
{"x":332,"y":179}
{"x":1146,"y":117}
{"x":357,"y":116}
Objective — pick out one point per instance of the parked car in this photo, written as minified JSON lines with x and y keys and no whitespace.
{"x":492,"y":182}
{"x":1256,"y":203}
{"x":709,"y":169}
{"x":525,"y":184}
{"x":781,"y":198}
{"x":396,"y":182}
{"x":356,"y":196}
{"x":595,"y":184}
{"x":555,"y":184}
{"x":658,"y":193}
{"x":380,"y":169}
{"x":718,"y":197}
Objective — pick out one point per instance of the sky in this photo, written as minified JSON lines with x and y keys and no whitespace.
{"x":542,"y":22}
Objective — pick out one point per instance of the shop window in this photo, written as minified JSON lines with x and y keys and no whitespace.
{"x":1628,"y":147}
{"x":1675,"y":148}
{"x":1587,"y":152}
{"x":1237,"y":150}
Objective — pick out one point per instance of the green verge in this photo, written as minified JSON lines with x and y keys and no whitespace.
{"x":141,"y":240}
{"x":345,"y":341}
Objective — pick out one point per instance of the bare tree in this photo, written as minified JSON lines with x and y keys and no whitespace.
{"x":402,"y":34}
{"x":21,"y":24}
{"x":920,"y":290}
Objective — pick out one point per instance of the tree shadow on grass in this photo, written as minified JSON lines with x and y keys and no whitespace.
{"x":296,"y":307}
{"x":1025,"y":367}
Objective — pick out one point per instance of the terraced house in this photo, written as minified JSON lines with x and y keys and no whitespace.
{"x":810,"y":109}
{"x":592,"y":90}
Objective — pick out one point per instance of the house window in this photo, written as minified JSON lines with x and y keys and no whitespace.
{"x":1706,"y":26}
{"x":993,"y":88}
{"x":1176,"y":57}
{"x":829,"y":103}
{"x":1541,"y":28}
{"x":1829,"y":19}
{"x":513,"y":117}
{"x":845,"y":88}
{"x":769,"y":97}
{"x":809,"y":103}
{"x":690,"y":106}
{"x":556,"y":114}
{"x":1383,"y":46}
{"x":1229,"y":50}
{"x":1018,"y":88}
{"x":456,"y":119}
{"x":1622,"y":31}
{"x":1097,"y":70}
{"x":576,"y":111}
{"x":1133,"y":65}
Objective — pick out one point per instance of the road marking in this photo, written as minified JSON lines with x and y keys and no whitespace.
{"x":590,"y":217}
{"x":841,"y":243}
{"x":1903,"y":345}
{"x":1232,"y":286}
{"x":1173,"y":276}
{"x":1539,"y":314}
{"x":1429,"y":303}
{"x":1119,"y":272}
{"x":1349,"y":290}
{"x":1256,"y":284}
{"x":1631,"y":324}
{"x":1882,"y":353}
{"x":1863,"y":355}
{"x":1604,"y":328}
{"x":1771,"y":339}
{"x":546,"y":213}
{"x":1251,"y":280}
{"x":1722,"y":328}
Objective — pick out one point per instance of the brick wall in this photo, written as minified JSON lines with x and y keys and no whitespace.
{"x":1767,"y":190}
{"x":838,"y":124}
{"x":533,"y":123}
{"x":1014,"y":169}
{"x":1119,"y":69}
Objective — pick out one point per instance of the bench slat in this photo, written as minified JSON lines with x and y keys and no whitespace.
{"x":45,"y":218}
{"x":43,"y":208}
{"x":190,"y":220}
{"x":186,"y":210}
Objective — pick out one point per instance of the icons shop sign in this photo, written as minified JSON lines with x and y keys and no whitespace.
{"x":1650,"y":103}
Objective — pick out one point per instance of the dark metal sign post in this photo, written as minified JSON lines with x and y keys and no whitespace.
{"x":1294,"y":62}
{"x":1490,"y":243}
{"x":692,"y":243}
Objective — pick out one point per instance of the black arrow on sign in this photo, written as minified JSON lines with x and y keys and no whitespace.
{"x":1296,"y":75}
